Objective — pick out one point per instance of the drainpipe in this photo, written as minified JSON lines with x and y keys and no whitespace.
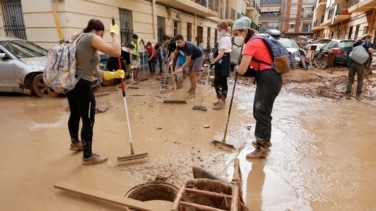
{"x":57,"y":22}
{"x":153,"y":19}
{"x":372,"y":22}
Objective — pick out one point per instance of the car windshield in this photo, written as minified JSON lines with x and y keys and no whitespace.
{"x":23,"y":48}
{"x":346,"y":44}
{"x":288,"y":43}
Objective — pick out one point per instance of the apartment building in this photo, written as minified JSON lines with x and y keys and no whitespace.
{"x":49,"y":22}
{"x":292,"y":17}
{"x":344,"y":19}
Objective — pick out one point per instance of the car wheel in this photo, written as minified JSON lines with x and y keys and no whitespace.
{"x":40,"y":89}
{"x":323,"y":63}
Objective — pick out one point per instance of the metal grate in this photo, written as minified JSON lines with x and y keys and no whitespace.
{"x":161,"y":26}
{"x":13,"y":19}
{"x":126,"y":26}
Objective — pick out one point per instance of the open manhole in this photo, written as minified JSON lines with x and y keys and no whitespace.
{"x":155,"y":190}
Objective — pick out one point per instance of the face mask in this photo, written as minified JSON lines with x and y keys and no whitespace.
{"x":239,"y":40}
{"x":220,"y":34}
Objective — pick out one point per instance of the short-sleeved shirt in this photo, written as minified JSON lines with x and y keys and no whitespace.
{"x":258,"y":50}
{"x":84,"y":54}
{"x":225,"y":43}
{"x":190,"y":49}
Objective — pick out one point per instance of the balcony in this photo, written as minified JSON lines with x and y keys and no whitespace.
{"x":307,"y":16}
{"x":322,"y":3}
{"x":229,"y":17}
{"x":335,"y":15}
{"x":203,"y":8}
{"x":276,"y":15}
{"x":253,"y":6}
{"x":360,"y":6}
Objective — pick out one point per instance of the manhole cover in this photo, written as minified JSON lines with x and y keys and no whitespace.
{"x":153,"y":191}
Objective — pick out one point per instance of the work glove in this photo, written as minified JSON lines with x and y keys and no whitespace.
{"x":171,"y":63}
{"x":115,"y":29}
{"x":178,"y":71}
{"x":107,"y":75}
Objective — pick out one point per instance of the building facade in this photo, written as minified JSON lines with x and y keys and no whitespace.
{"x":291,"y":17}
{"x":49,"y":22}
{"x":344,"y":19}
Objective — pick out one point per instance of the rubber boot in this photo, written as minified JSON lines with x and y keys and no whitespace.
{"x":348,"y":96}
{"x":219,"y":105}
{"x":219,"y":100}
{"x":261,"y":149}
{"x":359,"y":97}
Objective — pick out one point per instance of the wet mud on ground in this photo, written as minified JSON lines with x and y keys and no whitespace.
{"x":321,"y":157}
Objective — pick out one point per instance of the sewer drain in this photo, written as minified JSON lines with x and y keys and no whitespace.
{"x":153,"y":191}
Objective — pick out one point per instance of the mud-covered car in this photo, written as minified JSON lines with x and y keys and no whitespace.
{"x":21,"y":67}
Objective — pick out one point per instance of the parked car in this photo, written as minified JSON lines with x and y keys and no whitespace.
{"x":21,"y":67}
{"x":295,"y":50}
{"x":340,"y":49}
{"x":315,"y":46}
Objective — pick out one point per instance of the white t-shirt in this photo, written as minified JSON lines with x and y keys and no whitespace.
{"x":225,"y":43}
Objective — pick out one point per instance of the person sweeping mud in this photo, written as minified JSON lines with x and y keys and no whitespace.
{"x":268,"y":84}
{"x":222,"y":65}
{"x":193,"y":60}
{"x":81,"y":99}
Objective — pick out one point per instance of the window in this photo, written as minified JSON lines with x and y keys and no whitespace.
{"x":293,"y":10}
{"x":365,"y":29}
{"x":175,"y":28}
{"x":189,"y":31}
{"x":126,"y":26}
{"x":292,"y":26}
{"x":350,"y":32}
{"x":161,"y":27}
{"x":208,"y":38}
{"x":356,"y":32}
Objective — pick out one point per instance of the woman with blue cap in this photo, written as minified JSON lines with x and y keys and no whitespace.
{"x":268,"y":83}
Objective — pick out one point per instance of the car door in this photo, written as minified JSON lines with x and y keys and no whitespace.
{"x":8,"y":77}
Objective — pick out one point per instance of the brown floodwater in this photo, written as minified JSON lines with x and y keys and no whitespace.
{"x":321,"y":159}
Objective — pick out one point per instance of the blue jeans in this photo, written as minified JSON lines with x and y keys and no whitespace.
{"x":269,"y":83}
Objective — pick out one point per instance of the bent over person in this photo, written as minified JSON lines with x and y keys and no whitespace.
{"x":193,"y":60}
{"x":268,"y":84}
{"x":81,"y":99}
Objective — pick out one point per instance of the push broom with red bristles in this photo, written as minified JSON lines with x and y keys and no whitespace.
{"x":132,"y":156}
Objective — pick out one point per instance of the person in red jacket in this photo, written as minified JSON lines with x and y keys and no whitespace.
{"x":152,"y":57}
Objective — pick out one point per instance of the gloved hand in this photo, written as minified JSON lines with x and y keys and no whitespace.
{"x":115,"y":29}
{"x":212,"y":66}
{"x":107,"y":75}
{"x":178,"y":71}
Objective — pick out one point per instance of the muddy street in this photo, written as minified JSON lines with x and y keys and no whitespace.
{"x":321,"y":159}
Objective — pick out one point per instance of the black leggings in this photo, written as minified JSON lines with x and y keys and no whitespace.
{"x":82,"y":106}
{"x":220,"y":82}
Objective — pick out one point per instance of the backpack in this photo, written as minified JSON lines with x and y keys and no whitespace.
{"x":283,"y":61}
{"x":60,"y":68}
{"x":156,"y":46}
{"x":359,"y":54}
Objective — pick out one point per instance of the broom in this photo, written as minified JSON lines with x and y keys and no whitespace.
{"x":132,"y":156}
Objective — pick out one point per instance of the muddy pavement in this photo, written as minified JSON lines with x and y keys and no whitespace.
{"x":321,"y":157}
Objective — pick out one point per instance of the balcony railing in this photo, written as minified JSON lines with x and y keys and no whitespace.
{"x":254,"y":5}
{"x":270,"y":15}
{"x":310,"y":15}
{"x":211,"y":4}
